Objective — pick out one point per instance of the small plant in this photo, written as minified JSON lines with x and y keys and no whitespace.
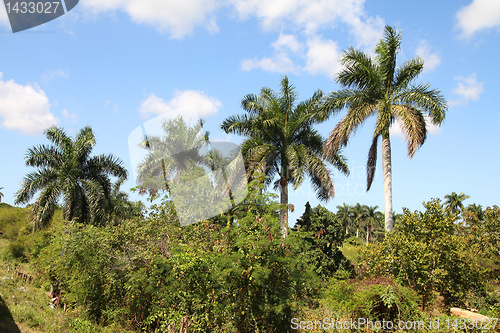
{"x":15,"y":250}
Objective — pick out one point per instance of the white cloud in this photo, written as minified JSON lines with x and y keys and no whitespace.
{"x":287,"y":43}
{"x":367,"y":32}
{"x":279,"y":63}
{"x":468,"y":89}
{"x":431,"y":59}
{"x":25,"y":108}
{"x":396,"y":129}
{"x":322,"y":57}
{"x":52,"y":74}
{"x":178,"y":18}
{"x":72,"y":116}
{"x":313,"y":15}
{"x":4,"y":19}
{"x":479,"y":15}
{"x":188,"y":103}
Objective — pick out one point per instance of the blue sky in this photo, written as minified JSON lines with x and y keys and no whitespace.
{"x":116,"y":64}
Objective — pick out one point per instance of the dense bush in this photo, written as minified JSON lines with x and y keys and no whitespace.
{"x":237,"y":276}
{"x":425,"y":253}
{"x":325,"y":234}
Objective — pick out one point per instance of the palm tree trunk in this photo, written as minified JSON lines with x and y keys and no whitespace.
{"x":357,"y":232}
{"x":387,"y":174}
{"x":284,"y":206}
{"x":367,"y":235}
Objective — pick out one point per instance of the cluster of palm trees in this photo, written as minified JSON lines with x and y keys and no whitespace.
{"x":361,"y":217}
{"x":281,"y":140}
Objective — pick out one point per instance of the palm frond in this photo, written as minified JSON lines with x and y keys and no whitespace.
{"x":428,"y":100}
{"x":346,"y":127}
{"x":413,"y":124}
{"x":371,"y":162}
{"x":406,"y":73}
{"x":387,"y":50}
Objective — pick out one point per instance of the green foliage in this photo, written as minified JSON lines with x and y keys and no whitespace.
{"x":376,"y":299}
{"x":426,"y":254}
{"x":481,"y":233}
{"x":15,"y":250}
{"x":325,"y":234}
{"x":240,"y":275}
{"x":12,"y":220}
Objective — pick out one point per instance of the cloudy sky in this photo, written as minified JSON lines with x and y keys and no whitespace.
{"x":116,"y":64}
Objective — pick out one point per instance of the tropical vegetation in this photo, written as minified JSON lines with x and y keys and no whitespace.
{"x":83,"y":257}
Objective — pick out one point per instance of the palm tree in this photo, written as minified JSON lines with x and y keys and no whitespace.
{"x":344,"y":214}
{"x":1,"y":194}
{"x":375,"y":87}
{"x":281,"y":141}
{"x":120,"y":205}
{"x":67,"y":170}
{"x":371,"y":220}
{"x":454,"y":202}
{"x":475,"y":213}
{"x":170,"y":156}
{"x":359,"y":214}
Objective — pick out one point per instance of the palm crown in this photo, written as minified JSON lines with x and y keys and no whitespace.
{"x":376,"y":87}
{"x":66,"y":169}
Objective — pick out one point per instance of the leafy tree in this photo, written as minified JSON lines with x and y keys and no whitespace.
{"x":375,"y":87}
{"x":426,"y":254}
{"x":281,"y":141}
{"x":481,"y":231}
{"x":325,"y":235}
{"x":454,"y":202}
{"x":67,"y":170}
{"x":305,"y":220}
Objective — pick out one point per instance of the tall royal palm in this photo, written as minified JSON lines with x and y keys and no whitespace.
{"x":376,"y":87}
{"x":281,"y":141}
{"x":67,"y":170}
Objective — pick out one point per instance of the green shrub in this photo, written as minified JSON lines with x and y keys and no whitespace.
{"x":324,"y":234}
{"x":425,"y":253}
{"x":15,"y":250}
{"x":375,"y":299}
